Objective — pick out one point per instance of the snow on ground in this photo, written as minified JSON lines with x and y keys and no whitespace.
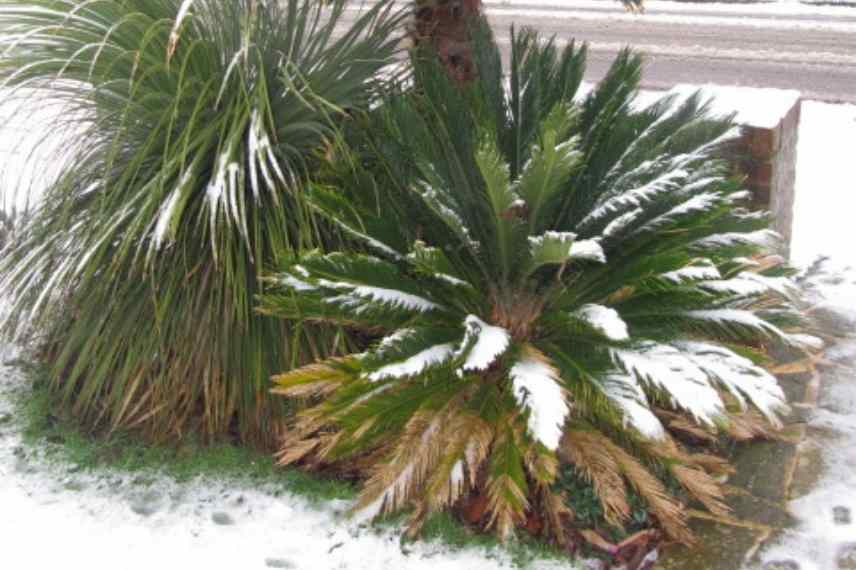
{"x":54,"y":517}
{"x":824,"y":537}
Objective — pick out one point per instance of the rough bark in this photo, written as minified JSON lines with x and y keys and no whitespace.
{"x":443,"y":25}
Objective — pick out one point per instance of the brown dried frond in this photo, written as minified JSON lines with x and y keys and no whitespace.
{"x":556,"y":510}
{"x":315,"y":373}
{"x":507,"y":504}
{"x":468,"y":440}
{"x":713,"y":464}
{"x":296,"y":450}
{"x":585,"y":450}
{"x":308,"y":390}
{"x":668,"y":511}
{"x":703,"y":487}
{"x":394,"y":483}
{"x":684,"y":426}
{"x":748,"y":425}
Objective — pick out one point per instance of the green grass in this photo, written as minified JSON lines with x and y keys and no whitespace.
{"x":66,"y":442}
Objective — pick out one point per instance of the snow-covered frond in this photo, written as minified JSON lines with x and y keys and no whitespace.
{"x":560,"y":247}
{"x":624,"y":391}
{"x":415,"y":364}
{"x":175,"y":33}
{"x":294,"y":283}
{"x":537,"y":388}
{"x":360,"y":298}
{"x":700,"y":271}
{"x":170,"y":212}
{"x":669,"y":372}
{"x":434,"y":262}
{"x":588,"y":249}
{"x":737,"y":318}
{"x":749,"y":284}
{"x":604,"y":319}
{"x":551,"y":247}
{"x":664,"y":183}
{"x":619,"y":224}
{"x":482,"y":344}
{"x":452,"y":220}
{"x":744,"y":379}
{"x":762,"y":238}
{"x":698,"y":203}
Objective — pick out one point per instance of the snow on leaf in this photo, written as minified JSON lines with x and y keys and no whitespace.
{"x":174,"y":34}
{"x":748,"y":283}
{"x":667,"y":370}
{"x":739,"y":375}
{"x":738,"y":317}
{"x":551,"y":247}
{"x":605,"y":320}
{"x":621,"y":222}
{"x":294,"y":283}
{"x":624,"y":391}
{"x":482,"y":344}
{"x":763,"y":238}
{"x":536,"y":388}
{"x":415,"y":364}
{"x":358,"y":295}
{"x":701,"y":272}
{"x":588,"y":249}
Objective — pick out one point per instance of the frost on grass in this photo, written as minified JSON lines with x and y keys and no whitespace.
{"x":482,"y":344}
{"x":605,"y":320}
{"x":537,"y":389}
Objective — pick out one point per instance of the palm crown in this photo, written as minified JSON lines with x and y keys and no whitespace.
{"x":547,"y":280}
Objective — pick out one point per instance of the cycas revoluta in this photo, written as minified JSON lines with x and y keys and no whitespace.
{"x":548,"y":281}
{"x":191,"y":127}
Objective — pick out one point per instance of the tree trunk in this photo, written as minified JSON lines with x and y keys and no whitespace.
{"x":443,"y":23}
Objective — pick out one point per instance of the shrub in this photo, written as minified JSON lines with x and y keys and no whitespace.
{"x":192,"y":129}
{"x":550,"y":282}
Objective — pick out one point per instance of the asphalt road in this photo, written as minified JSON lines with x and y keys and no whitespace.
{"x":782,"y":45}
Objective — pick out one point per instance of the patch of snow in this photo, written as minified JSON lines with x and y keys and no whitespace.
{"x":625,"y":392}
{"x":606,"y":320}
{"x":537,"y":388}
{"x":483,"y":344}
{"x":588,"y":249}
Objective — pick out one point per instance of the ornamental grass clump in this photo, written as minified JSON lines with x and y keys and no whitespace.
{"x":190,"y":128}
{"x":548,"y":282}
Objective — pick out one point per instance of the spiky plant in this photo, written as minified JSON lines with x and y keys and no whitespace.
{"x":550,"y":281}
{"x":191,"y":129}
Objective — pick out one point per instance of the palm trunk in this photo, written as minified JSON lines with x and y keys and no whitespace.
{"x":443,"y":24}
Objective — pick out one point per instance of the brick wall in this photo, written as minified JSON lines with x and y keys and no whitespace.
{"x":768,"y":158}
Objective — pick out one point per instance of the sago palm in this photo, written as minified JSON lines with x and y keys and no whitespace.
{"x":548,"y":282}
{"x":191,"y":128}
